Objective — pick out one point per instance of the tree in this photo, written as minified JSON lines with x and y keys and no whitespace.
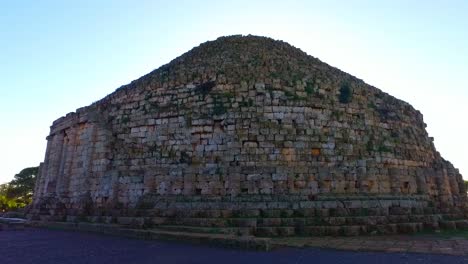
{"x":18,"y":192}
{"x":3,"y":189}
{"x":22,"y":186}
{"x":7,"y":204}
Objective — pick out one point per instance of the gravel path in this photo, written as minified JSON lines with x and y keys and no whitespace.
{"x":51,"y":246}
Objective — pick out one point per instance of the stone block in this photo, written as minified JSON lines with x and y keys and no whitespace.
{"x":461,"y":224}
{"x":269,"y":222}
{"x":135,"y":222}
{"x":266,"y":231}
{"x":351,"y":230}
{"x":409,"y":228}
{"x":244,"y":222}
{"x":448,"y":225}
{"x":285,"y":231}
{"x":315,"y":230}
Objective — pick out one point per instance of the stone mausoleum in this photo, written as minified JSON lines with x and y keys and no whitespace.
{"x":249,"y":134}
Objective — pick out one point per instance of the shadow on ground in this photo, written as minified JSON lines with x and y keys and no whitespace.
{"x":53,"y":246}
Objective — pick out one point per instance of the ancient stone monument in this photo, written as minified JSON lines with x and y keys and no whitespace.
{"x":251,"y":133}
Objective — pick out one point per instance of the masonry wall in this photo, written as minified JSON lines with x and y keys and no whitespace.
{"x":243,"y":116}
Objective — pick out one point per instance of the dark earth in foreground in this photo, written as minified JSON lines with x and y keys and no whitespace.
{"x":52,"y":246}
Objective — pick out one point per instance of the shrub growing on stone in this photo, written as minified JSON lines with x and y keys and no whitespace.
{"x":345,"y":94}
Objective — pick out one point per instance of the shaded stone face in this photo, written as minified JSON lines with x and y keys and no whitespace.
{"x":244,"y":122}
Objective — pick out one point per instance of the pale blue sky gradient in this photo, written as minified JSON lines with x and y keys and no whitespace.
{"x":57,"y":56}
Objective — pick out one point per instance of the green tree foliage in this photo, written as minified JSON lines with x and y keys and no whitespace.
{"x":3,"y":189}
{"x":22,"y":186}
{"x":345,"y":94}
{"x":18,"y":192}
{"x":7,"y":204}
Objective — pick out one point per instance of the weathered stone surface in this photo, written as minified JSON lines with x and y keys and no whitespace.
{"x":245,"y":128}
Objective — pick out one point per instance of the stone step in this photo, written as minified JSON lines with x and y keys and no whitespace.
{"x":210,"y":230}
{"x":288,"y":213}
{"x":202,"y":222}
{"x":275,"y":231}
{"x":11,"y":223}
{"x":300,"y":212}
{"x":291,"y":226}
{"x":4,"y":220}
{"x":345,"y":230}
{"x":225,"y":240}
{"x":458,"y":216}
{"x":264,"y":230}
{"x":12,"y":226}
{"x":300,"y":221}
{"x":454,"y":224}
{"x":214,"y":222}
{"x":219,"y":222}
{"x":285,"y":226}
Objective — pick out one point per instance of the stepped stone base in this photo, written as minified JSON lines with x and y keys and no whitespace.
{"x":11,"y":223}
{"x":231,"y":241}
{"x":274,"y":216}
{"x":444,"y":243}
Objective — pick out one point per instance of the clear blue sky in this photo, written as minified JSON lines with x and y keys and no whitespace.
{"x":57,"y":56}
